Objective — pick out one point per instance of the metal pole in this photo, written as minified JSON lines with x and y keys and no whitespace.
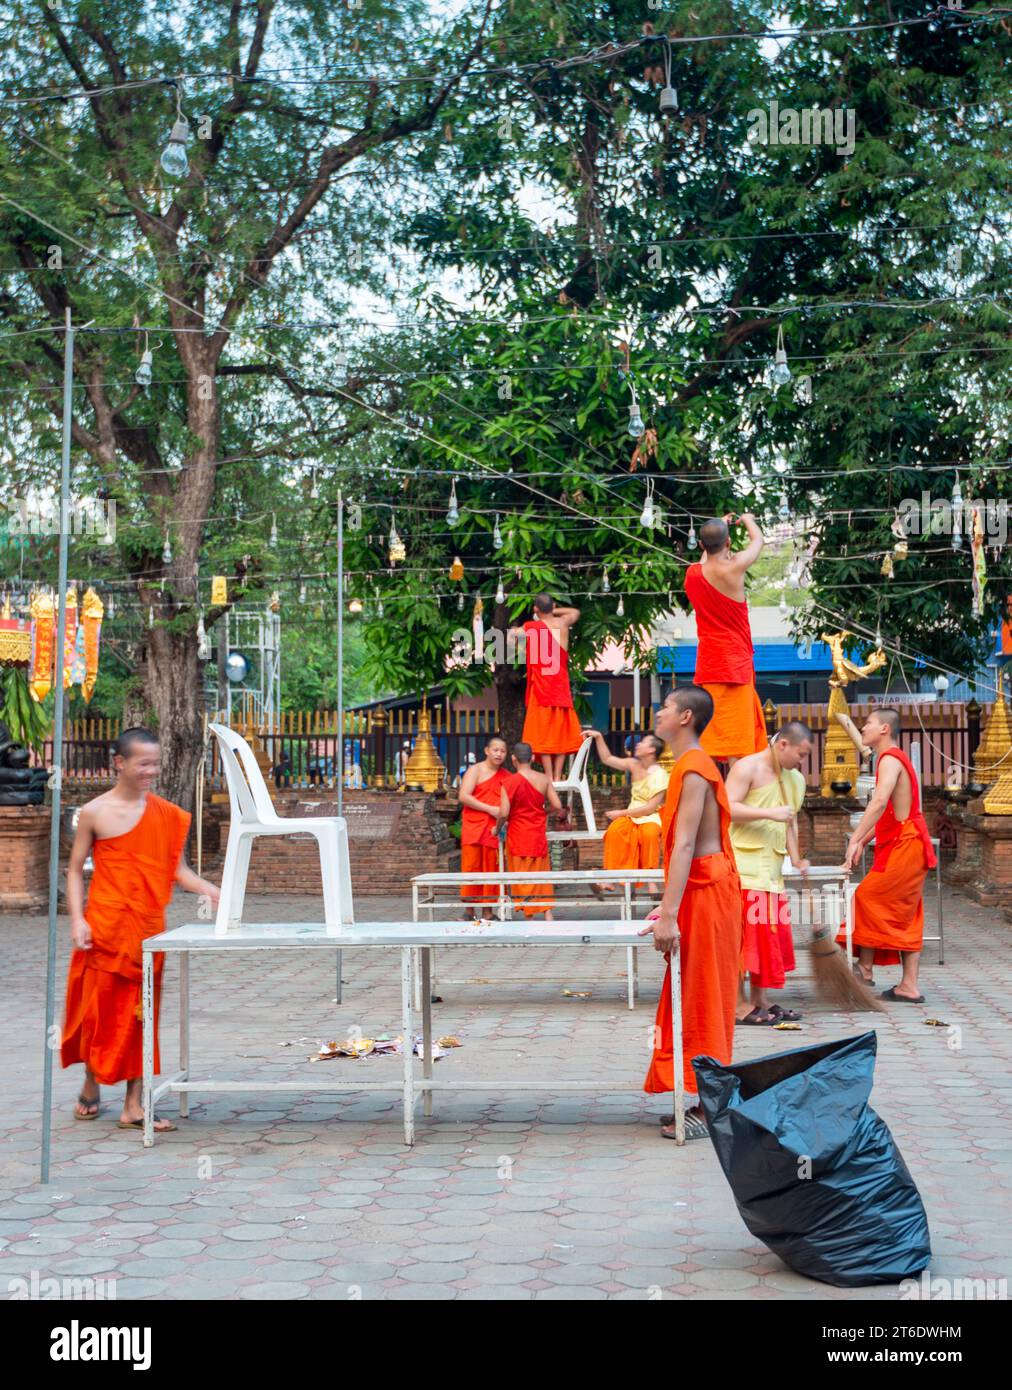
{"x":340,"y":653}
{"x":56,"y":779}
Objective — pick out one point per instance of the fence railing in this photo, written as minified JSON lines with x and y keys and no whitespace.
{"x":302,"y":748}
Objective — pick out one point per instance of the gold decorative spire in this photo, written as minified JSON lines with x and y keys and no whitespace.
{"x":993,"y":759}
{"x":424,"y":768}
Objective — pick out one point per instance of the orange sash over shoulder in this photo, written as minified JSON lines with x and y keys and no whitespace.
{"x":710,"y":940}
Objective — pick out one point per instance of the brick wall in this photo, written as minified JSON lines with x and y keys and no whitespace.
{"x":24,"y":854}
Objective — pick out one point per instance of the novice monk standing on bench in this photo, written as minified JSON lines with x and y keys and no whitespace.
{"x":551,"y":726}
{"x":700,"y":912}
{"x":724,"y":658}
{"x":524,"y":795}
{"x":479,"y":846}
{"x":633,"y":839}
{"x":888,"y":903}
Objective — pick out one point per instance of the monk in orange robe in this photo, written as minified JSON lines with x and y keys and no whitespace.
{"x":633,"y":837}
{"x":888,"y":904}
{"x":724,"y":658}
{"x":551,"y":726}
{"x":136,"y":841}
{"x":700,"y":913}
{"x":527,"y":797}
{"x":478,"y":794}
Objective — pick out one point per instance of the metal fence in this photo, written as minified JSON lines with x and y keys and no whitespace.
{"x":301,"y":750}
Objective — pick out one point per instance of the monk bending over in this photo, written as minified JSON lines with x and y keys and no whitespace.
{"x":478,"y":794}
{"x":766,"y":791}
{"x":700,"y":911}
{"x":888,"y":907}
{"x":136,"y":842}
{"x":526,"y":798}
{"x":724,"y":658}
{"x":551,"y":726}
{"x":633,"y":839}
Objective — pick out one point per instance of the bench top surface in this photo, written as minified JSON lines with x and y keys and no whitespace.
{"x":199,"y":936}
{"x":817,"y":873}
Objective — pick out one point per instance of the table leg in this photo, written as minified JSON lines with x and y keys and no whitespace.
{"x":147,"y":1044}
{"x":938,"y":899}
{"x":337,"y":986}
{"x":848,"y":897}
{"x":407,"y":1029}
{"x":677,"y":1062}
{"x":184,"y":1031}
{"x":630,"y":976}
{"x":426,"y":1026}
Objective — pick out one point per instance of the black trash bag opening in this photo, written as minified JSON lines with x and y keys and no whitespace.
{"x":815,"y":1172}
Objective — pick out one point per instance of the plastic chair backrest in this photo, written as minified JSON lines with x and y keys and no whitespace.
{"x":246,"y":786}
{"x":579,"y":763}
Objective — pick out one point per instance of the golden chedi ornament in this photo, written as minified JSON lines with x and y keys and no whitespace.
{"x":424,"y":770}
{"x":993,"y":759}
{"x":840,"y":762}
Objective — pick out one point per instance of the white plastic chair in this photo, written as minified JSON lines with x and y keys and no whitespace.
{"x":253,"y":814}
{"x":576,"y":780}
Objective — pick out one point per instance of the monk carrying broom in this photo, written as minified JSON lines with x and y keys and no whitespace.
{"x":700,"y":913}
{"x":888,"y":907}
{"x":136,"y":841}
{"x":724,"y":658}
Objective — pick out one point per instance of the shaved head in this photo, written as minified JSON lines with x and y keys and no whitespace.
{"x":544,"y":603}
{"x":132,"y":739}
{"x":523,"y":752}
{"x":696,"y":700}
{"x":713,"y":535}
{"x":795,"y":732}
{"x":890,"y":717}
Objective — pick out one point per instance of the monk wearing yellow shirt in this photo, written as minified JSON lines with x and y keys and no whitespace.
{"x":633,"y":839}
{"x":766,"y":790}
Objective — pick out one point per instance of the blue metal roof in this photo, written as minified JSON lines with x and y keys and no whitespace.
{"x":810,"y":658}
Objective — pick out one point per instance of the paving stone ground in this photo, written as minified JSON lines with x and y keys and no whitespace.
{"x":528,"y":1195}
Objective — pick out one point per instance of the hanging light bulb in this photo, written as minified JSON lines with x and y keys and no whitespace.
{"x":151,"y":615}
{"x":620,"y":610}
{"x":302,"y":592}
{"x":783,"y":605}
{"x":174,"y":160}
{"x":167,"y":551}
{"x":669,"y":97}
{"x":396,"y":552}
{"x":692,"y":535}
{"x":605,"y":583}
{"x":110,"y":611}
{"x":636,"y":428}
{"x":314,"y":491}
{"x":500,"y":592}
{"x":453,"y":513}
{"x":878,"y":639}
{"x":460,"y":601}
{"x":784,"y":511}
{"x":496,"y":534}
{"x":274,"y":531}
{"x":781,"y":372}
{"x":203,"y":645}
{"x":647,"y":514}
{"x":957,"y":515}
{"x":957,"y":541}
{"x":143,"y":374}
{"x":355,"y":605}
{"x":379,"y":609}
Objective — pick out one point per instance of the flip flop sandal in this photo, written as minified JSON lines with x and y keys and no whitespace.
{"x":89,"y":1100}
{"x":895,"y":998}
{"x":695,"y":1128}
{"x":756,"y":1019}
{"x":784,"y":1015}
{"x":139,"y":1124}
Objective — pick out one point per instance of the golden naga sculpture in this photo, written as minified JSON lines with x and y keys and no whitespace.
{"x":843,"y":742}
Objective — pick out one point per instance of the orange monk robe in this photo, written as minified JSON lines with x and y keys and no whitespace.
{"x":551,"y":725}
{"x":130,"y":889}
{"x":725,"y":669}
{"x":710,"y":941}
{"x":479,"y":847}
{"x":527,"y":843}
{"x":636,"y":844}
{"x":888,"y":903}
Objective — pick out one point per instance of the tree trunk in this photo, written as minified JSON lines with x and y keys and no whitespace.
{"x":510,"y":685}
{"x":176,"y":693}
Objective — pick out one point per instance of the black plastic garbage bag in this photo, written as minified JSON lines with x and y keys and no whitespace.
{"x":815,"y":1172}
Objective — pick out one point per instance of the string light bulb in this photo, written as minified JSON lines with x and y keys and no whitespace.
{"x":174,"y":160}
{"x":496,"y":534}
{"x":143,"y":374}
{"x":692,"y":535}
{"x":605,"y":583}
{"x":302,"y":592}
{"x":167,"y":551}
{"x":647,"y":514}
{"x":274,"y":531}
{"x":784,"y":510}
{"x":110,"y":611}
{"x":781,"y":372}
{"x":783,"y":605}
{"x":500,"y":592}
{"x":453,"y":512}
{"x":957,"y":515}
{"x":397,"y":551}
{"x":314,"y":491}
{"x":460,"y":601}
{"x":379,"y":608}
{"x":355,"y":605}
{"x":203,"y":645}
{"x":620,"y":610}
{"x":669,"y":97}
{"x":636,"y":428}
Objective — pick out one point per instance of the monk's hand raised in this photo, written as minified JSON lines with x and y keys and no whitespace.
{"x":80,"y":935}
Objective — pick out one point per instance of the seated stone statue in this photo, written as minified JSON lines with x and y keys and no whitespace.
{"x":20,"y":785}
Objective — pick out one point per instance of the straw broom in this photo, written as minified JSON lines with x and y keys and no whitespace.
{"x":835,"y":982}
